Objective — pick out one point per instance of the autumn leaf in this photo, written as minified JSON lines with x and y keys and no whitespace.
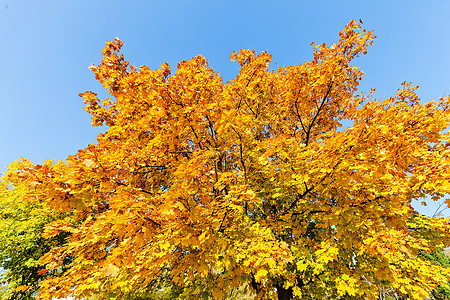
{"x":43,"y":271}
{"x":22,"y":288}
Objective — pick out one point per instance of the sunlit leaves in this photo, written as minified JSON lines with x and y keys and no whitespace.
{"x":212,"y":185}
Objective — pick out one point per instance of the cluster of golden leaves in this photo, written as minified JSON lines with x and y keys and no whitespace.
{"x":255,"y":180}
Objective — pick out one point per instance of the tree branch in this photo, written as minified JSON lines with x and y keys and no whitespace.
{"x":317,"y":113}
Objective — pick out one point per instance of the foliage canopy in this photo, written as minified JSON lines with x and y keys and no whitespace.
{"x":213,"y":185}
{"x":21,"y":225}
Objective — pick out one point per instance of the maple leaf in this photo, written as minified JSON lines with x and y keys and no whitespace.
{"x":22,"y":288}
{"x":43,"y":271}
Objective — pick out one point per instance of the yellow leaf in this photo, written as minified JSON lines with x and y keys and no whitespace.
{"x":301,"y":266}
{"x":111,"y":270}
{"x":260,"y":274}
{"x":297,"y":291}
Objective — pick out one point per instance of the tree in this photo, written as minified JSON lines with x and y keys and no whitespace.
{"x":443,"y":258}
{"x":254,"y":181}
{"x":22,"y":245}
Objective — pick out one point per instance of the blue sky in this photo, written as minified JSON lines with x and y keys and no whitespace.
{"x":47,"y":46}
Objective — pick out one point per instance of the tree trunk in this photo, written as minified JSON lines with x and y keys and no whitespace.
{"x":284,"y":294}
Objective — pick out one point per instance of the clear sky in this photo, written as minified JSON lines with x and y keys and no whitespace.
{"x":47,"y":46}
